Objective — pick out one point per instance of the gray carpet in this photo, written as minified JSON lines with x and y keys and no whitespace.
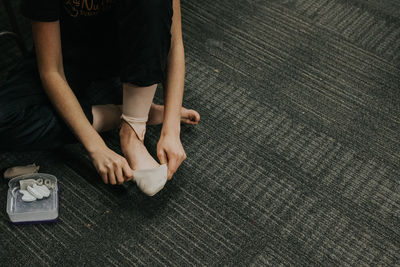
{"x":296,"y":160}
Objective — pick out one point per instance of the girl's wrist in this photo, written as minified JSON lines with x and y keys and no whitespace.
{"x":95,"y":144}
{"x":172,"y":123}
{"x":171,"y":128}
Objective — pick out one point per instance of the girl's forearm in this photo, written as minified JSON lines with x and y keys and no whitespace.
{"x":67,"y":105}
{"x":47,"y":41}
{"x":173,"y":89}
{"x":174,"y":83}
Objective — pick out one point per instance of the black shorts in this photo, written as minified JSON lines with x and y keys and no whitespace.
{"x":28,"y":121}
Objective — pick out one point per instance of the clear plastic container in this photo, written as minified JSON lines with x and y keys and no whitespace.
{"x":39,"y":211}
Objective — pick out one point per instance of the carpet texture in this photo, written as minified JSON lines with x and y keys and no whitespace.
{"x":296,"y":159}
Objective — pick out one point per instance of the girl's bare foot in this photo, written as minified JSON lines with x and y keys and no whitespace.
{"x":156,"y":115}
{"x":134,"y":150}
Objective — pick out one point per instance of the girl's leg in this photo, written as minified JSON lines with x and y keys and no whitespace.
{"x":144,"y":39}
{"x":156,"y":115}
{"x":108,"y":117}
{"x":28,"y":121}
{"x":135,"y":110}
{"x":136,"y":106}
{"x":34,"y":127}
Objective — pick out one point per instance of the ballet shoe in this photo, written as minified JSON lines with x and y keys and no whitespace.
{"x":20,"y":170}
{"x":151,"y":181}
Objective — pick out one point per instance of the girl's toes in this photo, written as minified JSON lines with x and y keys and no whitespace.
{"x":192,"y":119}
{"x":194,"y":116}
{"x":190,"y":116}
{"x":197,"y":116}
{"x":189,"y":121}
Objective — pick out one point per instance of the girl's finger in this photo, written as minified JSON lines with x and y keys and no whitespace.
{"x":162,"y":156}
{"x":119,"y":176}
{"x":104,"y":177}
{"x":128,"y":173}
{"x":111,"y":177}
{"x":172,"y":166}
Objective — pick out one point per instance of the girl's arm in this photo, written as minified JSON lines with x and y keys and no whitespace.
{"x":169,"y":146}
{"x":49,"y":58}
{"x":174,"y":84}
{"x":48,"y":50}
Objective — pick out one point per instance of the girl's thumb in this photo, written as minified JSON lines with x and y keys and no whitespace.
{"x":162,"y":156}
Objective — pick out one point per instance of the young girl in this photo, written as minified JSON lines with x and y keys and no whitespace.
{"x":43,"y":103}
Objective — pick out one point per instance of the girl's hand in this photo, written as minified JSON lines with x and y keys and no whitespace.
{"x":112,"y":167}
{"x":170,"y":150}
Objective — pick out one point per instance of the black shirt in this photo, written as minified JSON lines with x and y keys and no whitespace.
{"x":88,"y":28}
